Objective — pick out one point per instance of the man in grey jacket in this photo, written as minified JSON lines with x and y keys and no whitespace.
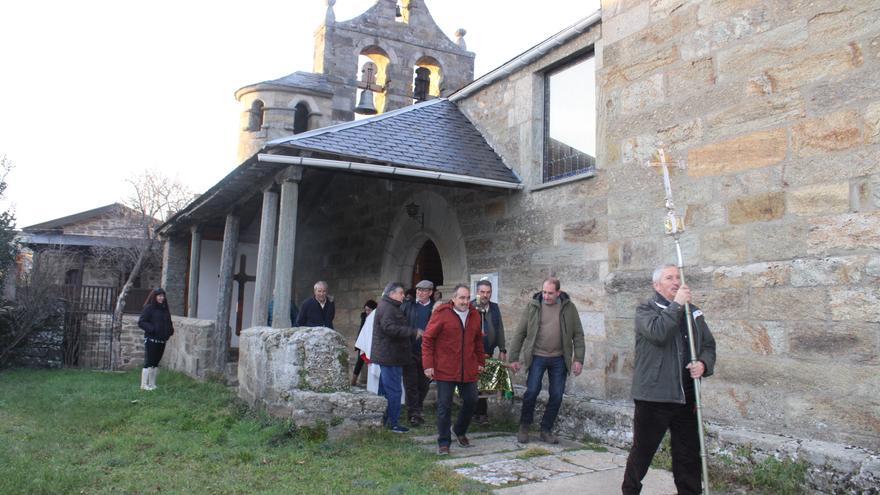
{"x":663,"y":382}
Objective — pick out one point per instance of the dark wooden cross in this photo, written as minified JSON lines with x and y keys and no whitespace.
{"x":242,"y":278}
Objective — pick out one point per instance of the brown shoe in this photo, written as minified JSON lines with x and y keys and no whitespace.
{"x":354,"y":380}
{"x":443,"y":450}
{"x":463,"y":440}
{"x":523,"y":435}
{"x":548,"y":437}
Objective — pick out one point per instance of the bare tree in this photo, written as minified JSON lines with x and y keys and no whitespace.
{"x":38,"y":303}
{"x":153,"y":199}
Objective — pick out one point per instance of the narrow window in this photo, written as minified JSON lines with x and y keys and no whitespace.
{"x":570,"y":120}
{"x":301,"y":118}
{"x":255,"y":119}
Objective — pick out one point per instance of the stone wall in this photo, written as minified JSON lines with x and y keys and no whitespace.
{"x":175,"y":263}
{"x":773,"y":107}
{"x":41,"y":349}
{"x":94,"y":342}
{"x":193,"y":349}
{"x":303,"y":374}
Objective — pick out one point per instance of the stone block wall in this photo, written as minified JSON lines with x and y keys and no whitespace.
{"x":303,"y":374}
{"x":772,"y":108}
{"x":193,"y":348}
{"x":94,"y":342}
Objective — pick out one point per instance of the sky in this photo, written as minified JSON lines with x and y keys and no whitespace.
{"x":95,"y":92}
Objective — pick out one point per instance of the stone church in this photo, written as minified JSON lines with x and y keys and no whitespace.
{"x":537,"y":169}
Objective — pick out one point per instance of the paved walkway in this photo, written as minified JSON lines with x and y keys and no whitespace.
{"x":497,"y":459}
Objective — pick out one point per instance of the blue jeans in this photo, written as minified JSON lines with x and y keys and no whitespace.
{"x":390,"y":387}
{"x":555,"y":368}
{"x":468,"y":393}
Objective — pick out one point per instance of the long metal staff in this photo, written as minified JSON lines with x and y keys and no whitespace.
{"x":674,"y":227}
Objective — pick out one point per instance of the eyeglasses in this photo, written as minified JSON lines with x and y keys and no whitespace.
{"x":423,"y":290}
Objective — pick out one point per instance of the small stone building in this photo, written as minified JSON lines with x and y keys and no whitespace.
{"x":536,"y":169}
{"x":90,"y":255}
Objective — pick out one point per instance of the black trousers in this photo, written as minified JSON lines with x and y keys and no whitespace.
{"x":153,"y":353}
{"x":482,"y":407}
{"x":416,"y":385}
{"x":650,"y":422}
{"x":358,"y":365}
{"x":468,"y":394}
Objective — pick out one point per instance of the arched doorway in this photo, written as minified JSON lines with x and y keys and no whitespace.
{"x":428,"y":265}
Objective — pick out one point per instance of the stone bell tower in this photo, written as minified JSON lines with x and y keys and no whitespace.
{"x":394,"y":51}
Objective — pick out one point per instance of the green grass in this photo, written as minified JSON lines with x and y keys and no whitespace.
{"x":534,"y":452}
{"x":767,"y":477}
{"x":85,"y":432}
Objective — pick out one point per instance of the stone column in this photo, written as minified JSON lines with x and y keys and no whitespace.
{"x":289,"y":179}
{"x":174,"y":260}
{"x":265,"y":254}
{"x":195,"y":259}
{"x":224,"y":290}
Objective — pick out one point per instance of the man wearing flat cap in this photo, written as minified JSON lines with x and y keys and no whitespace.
{"x":418,"y":313}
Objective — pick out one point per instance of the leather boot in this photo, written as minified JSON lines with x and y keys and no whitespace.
{"x":523,"y":435}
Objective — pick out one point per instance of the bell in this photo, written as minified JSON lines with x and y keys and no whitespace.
{"x":365,"y":104}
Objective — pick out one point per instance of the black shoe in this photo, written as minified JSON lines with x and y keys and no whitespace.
{"x":416,"y":421}
{"x":398,"y":429}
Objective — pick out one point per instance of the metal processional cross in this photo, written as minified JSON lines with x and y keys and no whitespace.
{"x":674,"y":226}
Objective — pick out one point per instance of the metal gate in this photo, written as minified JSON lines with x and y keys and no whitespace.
{"x":88,"y":325}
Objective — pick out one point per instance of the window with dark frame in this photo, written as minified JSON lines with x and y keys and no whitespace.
{"x":570,"y":119}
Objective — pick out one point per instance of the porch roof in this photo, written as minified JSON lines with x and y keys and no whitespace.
{"x":431,"y":141}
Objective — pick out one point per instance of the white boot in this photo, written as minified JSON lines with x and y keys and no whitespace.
{"x":145,"y":379}
{"x":153,"y":372}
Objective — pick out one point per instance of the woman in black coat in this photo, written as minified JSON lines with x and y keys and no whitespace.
{"x":155,"y":321}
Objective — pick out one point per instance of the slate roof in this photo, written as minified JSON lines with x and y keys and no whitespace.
{"x":434,"y":135}
{"x":300,"y":80}
{"x":116,"y":209}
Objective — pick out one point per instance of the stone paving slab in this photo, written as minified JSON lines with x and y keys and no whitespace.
{"x":657,"y":482}
{"x":497,"y":459}
{"x":596,"y":461}
{"x":502,"y":443}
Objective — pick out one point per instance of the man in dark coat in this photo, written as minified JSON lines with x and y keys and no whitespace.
{"x":391,"y":350}
{"x":418,"y":313}
{"x":663,"y":382}
{"x":317,"y":311}
{"x":493,"y":337}
{"x":452,"y":354}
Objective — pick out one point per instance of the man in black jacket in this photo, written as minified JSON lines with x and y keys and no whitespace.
{"x":392,"y":349}
{"x":317,"y":311}
{"x":418,"y":313}
{"x":663,"y":382}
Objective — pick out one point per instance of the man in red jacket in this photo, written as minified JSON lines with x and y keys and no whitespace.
{"x":452,"y":355}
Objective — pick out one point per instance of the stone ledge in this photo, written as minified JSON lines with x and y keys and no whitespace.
{"x":831,"y":467}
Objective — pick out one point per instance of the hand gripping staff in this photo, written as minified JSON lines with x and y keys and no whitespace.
{"x":674,"y":227}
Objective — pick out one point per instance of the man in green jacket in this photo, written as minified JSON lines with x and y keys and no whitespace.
{"x":549,"y":338}
{"x":663,"y":382}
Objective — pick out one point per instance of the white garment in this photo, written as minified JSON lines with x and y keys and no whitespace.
{"x":365,"y":344}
